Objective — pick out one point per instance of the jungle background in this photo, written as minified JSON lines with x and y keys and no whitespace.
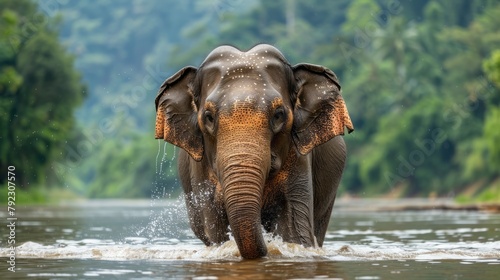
{"x":78,"y":80}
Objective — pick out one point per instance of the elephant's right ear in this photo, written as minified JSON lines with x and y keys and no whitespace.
{"x":176,"y":113}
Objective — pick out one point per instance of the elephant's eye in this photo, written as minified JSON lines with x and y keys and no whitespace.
{"x":209,"y":121}
{"x":278,"y":120}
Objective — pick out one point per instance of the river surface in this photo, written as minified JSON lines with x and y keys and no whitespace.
{"x":152,"y":240}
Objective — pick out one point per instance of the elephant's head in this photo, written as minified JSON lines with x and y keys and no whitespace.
{"x":241,"y":113}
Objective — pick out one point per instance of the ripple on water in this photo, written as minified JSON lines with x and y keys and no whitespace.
{"x":136,"y":248}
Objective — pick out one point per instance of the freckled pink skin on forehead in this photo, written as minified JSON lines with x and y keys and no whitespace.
{"x":232,"y":76}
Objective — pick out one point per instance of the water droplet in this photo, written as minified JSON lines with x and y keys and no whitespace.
{"x":158,"y":155}
{"x":164,"y":157}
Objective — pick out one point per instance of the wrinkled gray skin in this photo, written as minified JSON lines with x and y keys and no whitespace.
{"x":258,"y":146}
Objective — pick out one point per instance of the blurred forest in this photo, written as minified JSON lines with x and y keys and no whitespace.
{"x":421,"y":80}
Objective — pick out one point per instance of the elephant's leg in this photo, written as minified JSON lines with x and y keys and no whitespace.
{"x":207,"y":218}
{"x":204,"y":203}
{"x":328,"y":162}
{"x":215,"y":222}
{"x":193,"y":207}
{"x":295,"y":223}
{"x":196,"y":219}
{"x":321,"y":223}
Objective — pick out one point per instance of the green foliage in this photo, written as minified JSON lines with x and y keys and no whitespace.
{"x":360,"y":14}
{"x":39,"y":90}
{"x":491,"y":194}
{"x":492,"y":136}
{"x":487,"y":194}
{"x":416,"y":143}
{"x":492,"y":67}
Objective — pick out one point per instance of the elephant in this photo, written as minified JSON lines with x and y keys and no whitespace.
{"x":258,"y":143}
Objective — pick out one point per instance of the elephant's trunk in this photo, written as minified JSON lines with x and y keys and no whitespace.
{"x":243,"y":176}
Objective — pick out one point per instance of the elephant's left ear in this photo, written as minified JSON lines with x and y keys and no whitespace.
{"x":320,"y":112}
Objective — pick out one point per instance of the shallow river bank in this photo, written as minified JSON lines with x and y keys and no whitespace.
{"x":366,"y":239}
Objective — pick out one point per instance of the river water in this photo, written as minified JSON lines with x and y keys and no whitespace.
{"x":152,"y":240}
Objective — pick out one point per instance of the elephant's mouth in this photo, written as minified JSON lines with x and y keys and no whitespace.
{"x":275,"y":164}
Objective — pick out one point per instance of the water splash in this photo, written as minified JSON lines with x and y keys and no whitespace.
{"x":174,"y":249}
{"x":163,"y":222}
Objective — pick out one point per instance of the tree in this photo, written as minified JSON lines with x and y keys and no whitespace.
{"x":39,"y":90}
{"x":492,"y":122}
